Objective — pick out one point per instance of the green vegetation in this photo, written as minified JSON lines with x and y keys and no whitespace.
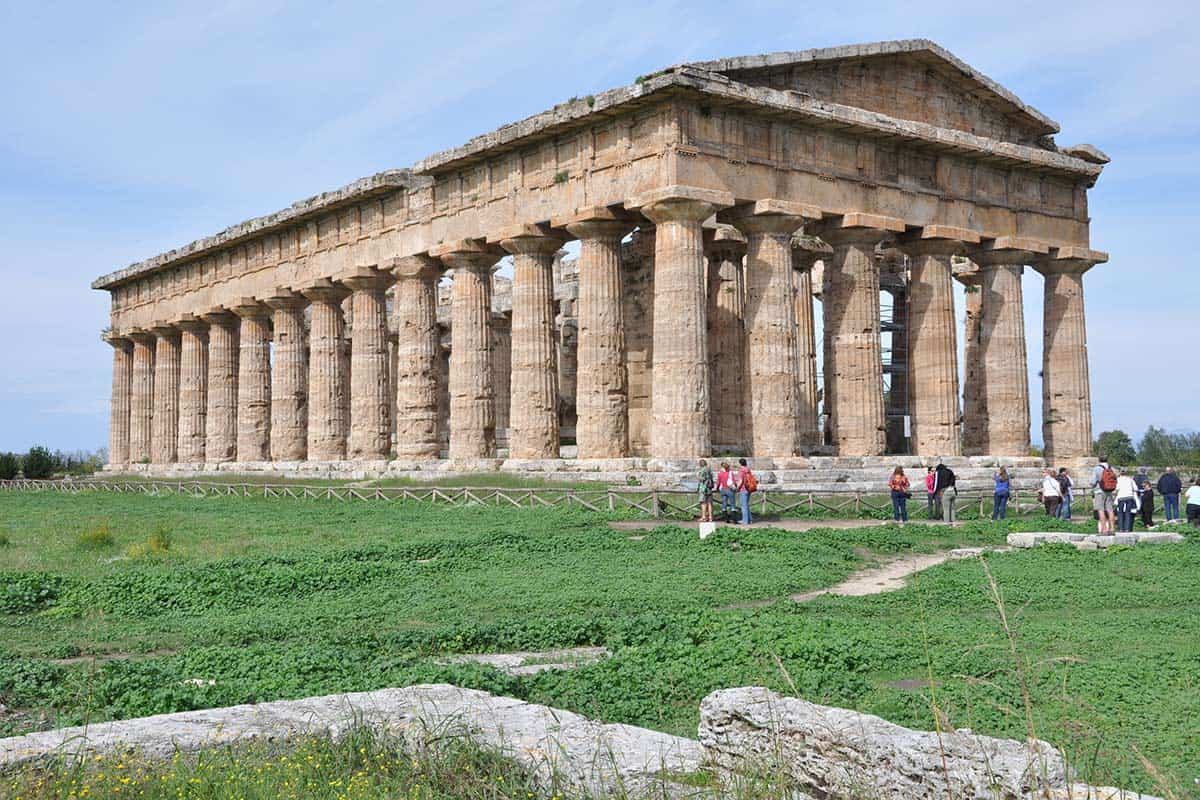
{"x":1157,"y":448}
{"x":273,"y":599}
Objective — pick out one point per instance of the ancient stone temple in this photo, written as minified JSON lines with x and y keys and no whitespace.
{"x":716,"y":207}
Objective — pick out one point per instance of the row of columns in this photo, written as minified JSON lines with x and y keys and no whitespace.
{"x":207,"y":388}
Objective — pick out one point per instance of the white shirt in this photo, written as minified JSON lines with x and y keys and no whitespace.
{"x":1126,"y":488}
{"x":1050,"y":487}
{"x":1193,"y":496}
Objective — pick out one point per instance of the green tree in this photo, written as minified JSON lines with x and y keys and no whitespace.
{"x":1158,"y":448}
{"x":38,"y":463}
{"x":10,"y":465}
{"x":1117,"y":446}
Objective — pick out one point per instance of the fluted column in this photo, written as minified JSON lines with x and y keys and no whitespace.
{"x":193,"y":389}
{"x":533,"y":388}
{"x":853,"y":362}
{"x":141,"y":397}
{"x":254,"y":381}
{"x":370,"y":424}
{"x":680,"y":385}
{"x":932,"y":339}
{"x":289,"y":377}
{"x":727,"y":338}
{"x":601,"y":382}
{"x":122,"y":386}
{"x":472,"y":397}
{"x":772,"y":392}
{"x":328,"y":403}
{"x":418,"y":352}
{"x":806,"y":251}
{"x":1066,"y":391}
{"x":220,"y":419}
{"x":164,"y":437}
{"x":974,"y":374}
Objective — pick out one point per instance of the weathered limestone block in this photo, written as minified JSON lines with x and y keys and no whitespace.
{"x":472,"y":402}
{"x":122,"y":386}
{"x":328,"y":403}
{"x":1002,"y":345}
{"x":772,"y":388}
{"x":1066,"y":393}
{"x":193,"y":389}
{"x":806,"y":250}
{"x":932,"y":343}
{"x":289,"y":377}
{"x":838,"y":753}
{"x":164,"y":437}
{"x":418,"y":354}
{"x":727,"y":338}
{"x":533,"y":388}
{"x":680,"y":380}
{"x":602,"y":386}
{"x":220,"y":418}
{"x":370,"y":426}
{"x":254,"y":381}
{"x":974,"y":373}
{"x":853,"y":362}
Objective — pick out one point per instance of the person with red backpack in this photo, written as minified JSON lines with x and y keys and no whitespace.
{"x":1104,"y":496}
{"x":747,"y":484}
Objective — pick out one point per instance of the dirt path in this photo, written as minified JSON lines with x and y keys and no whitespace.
{"x":787,"y":524}
{"x":892,"y":575}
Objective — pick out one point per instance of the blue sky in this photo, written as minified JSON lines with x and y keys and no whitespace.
{"x":132,"y":128}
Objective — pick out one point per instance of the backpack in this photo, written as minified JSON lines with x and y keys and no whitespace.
{"x":750,"y":483}
{"x":1108,"y":480}
{"x":1064,"y":484}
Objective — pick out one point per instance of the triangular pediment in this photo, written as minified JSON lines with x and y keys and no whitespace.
{"x":913,"y":79}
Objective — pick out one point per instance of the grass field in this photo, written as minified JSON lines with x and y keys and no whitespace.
{"x":109,"y":603}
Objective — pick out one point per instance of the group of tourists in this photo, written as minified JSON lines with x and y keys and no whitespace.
{"x":731,"y":483}
{"x":940,"y":490}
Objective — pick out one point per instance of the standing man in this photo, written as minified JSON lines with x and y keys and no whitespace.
{"x":1104,"y":496}
{"x":1067,"y":485}
{"x":945,"y":491}
{"x":1169,"y":488}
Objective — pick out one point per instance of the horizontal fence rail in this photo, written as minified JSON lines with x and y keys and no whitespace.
{"x":648,"y":502}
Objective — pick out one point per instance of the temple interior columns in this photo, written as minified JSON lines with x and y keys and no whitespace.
{"x":974,"y":389}
{"x":806,"y":251}
{"x":727,"y":338}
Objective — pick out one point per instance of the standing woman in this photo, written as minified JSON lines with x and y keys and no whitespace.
{"x":1051,"y":492}
{"x":1127,"y":501}
{"x":704,"y":485}
{"x":931,"y":492}
{"x":899,"y":486}
{"x":725,"y":485}
{"x":1001,"y":495}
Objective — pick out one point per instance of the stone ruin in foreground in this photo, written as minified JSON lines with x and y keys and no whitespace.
{"x":712,"y":203}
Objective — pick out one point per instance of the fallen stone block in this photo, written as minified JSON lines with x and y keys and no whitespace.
{"x":1086,"y":545}
{"x":1101,"y":541}
{"x":1160,"y":537}
{"x":1022,"y":539}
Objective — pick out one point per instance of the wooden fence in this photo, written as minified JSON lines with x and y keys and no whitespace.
{"x":647,"y":502}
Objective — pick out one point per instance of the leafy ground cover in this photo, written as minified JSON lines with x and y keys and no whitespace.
{"x":197,"y":602}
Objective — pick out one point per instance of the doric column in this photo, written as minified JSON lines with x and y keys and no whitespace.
{"x":680,"y":387}
{"x":122,"y":386}
{"x":601,"y":383}
{"x":772,"y":392}
{"x":533,"y":387}
{"x":1066,"y":392}
{"x":806,"y":251}
{"x":417,"y":355}
{"x":254,"y":381}
{"x":164,"y":437}
{"x":974,"y":375}
{"x":853,"y":362}
{"x":289,"y":377}
{"x":1002,"y":344}
{"x":472,"y":398}
{"x":141,"y":397}
{"x":370,"y":425}
{"x":193,"y":389}
{"x":727,"y":338}
{"x":328,"y":404}
{"x":932,"y":341}
{"x":220,"y":418}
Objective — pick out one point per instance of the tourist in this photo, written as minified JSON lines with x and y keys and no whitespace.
{"x":1066,"y":485}
{"x":1104,"y":490}
{"x":1051,"y":492}
{"x":1192,"y":499}
{"x":900,"y":494}
{"x":704,"y":485}
{"x":1127,"y":501}
{"x":1142,"y":476}
{"x":931,"y":491}
{"x":1000,"y":496}
{"x":1170,"y":487}
{"x":944,"y":486}
{"x":725,"y":485}
{"x":1146,"y":501}
{"x":746,"y":484}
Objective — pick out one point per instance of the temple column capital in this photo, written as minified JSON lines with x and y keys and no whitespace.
{"x":190,"y":323}
{"x":366,"y":279}
{"x":595,"y":222}
{"x":250,"y":308}
{"x":856,"y":228}
{"x":1069,"y":260}
{"x":679,"y":203}
{"x":324,"y":291}
{"x":117,"y":341}
{"x":808,"y":250}
{"x":937,"y":240}
{"x":770,"y":216}
{"x":468,"y":254}
{"x":285,"y":299}
{"x":1008,"y":251}
{"x":529,"y":240}
{"x":419,"y":267}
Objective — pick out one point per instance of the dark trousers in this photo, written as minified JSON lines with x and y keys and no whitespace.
{"x":1000,"y":505}
{"x":1193,"y":514}
{"x":1171,"y":506}
{"x":935,"y":507}
{"x":1125,"y":514}
{"x":899,"y":506}
{"x":1148,"y":510}
{"x":1051,"y":504}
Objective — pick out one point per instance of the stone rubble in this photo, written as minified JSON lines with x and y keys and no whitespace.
{"x":1093,"y":541}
